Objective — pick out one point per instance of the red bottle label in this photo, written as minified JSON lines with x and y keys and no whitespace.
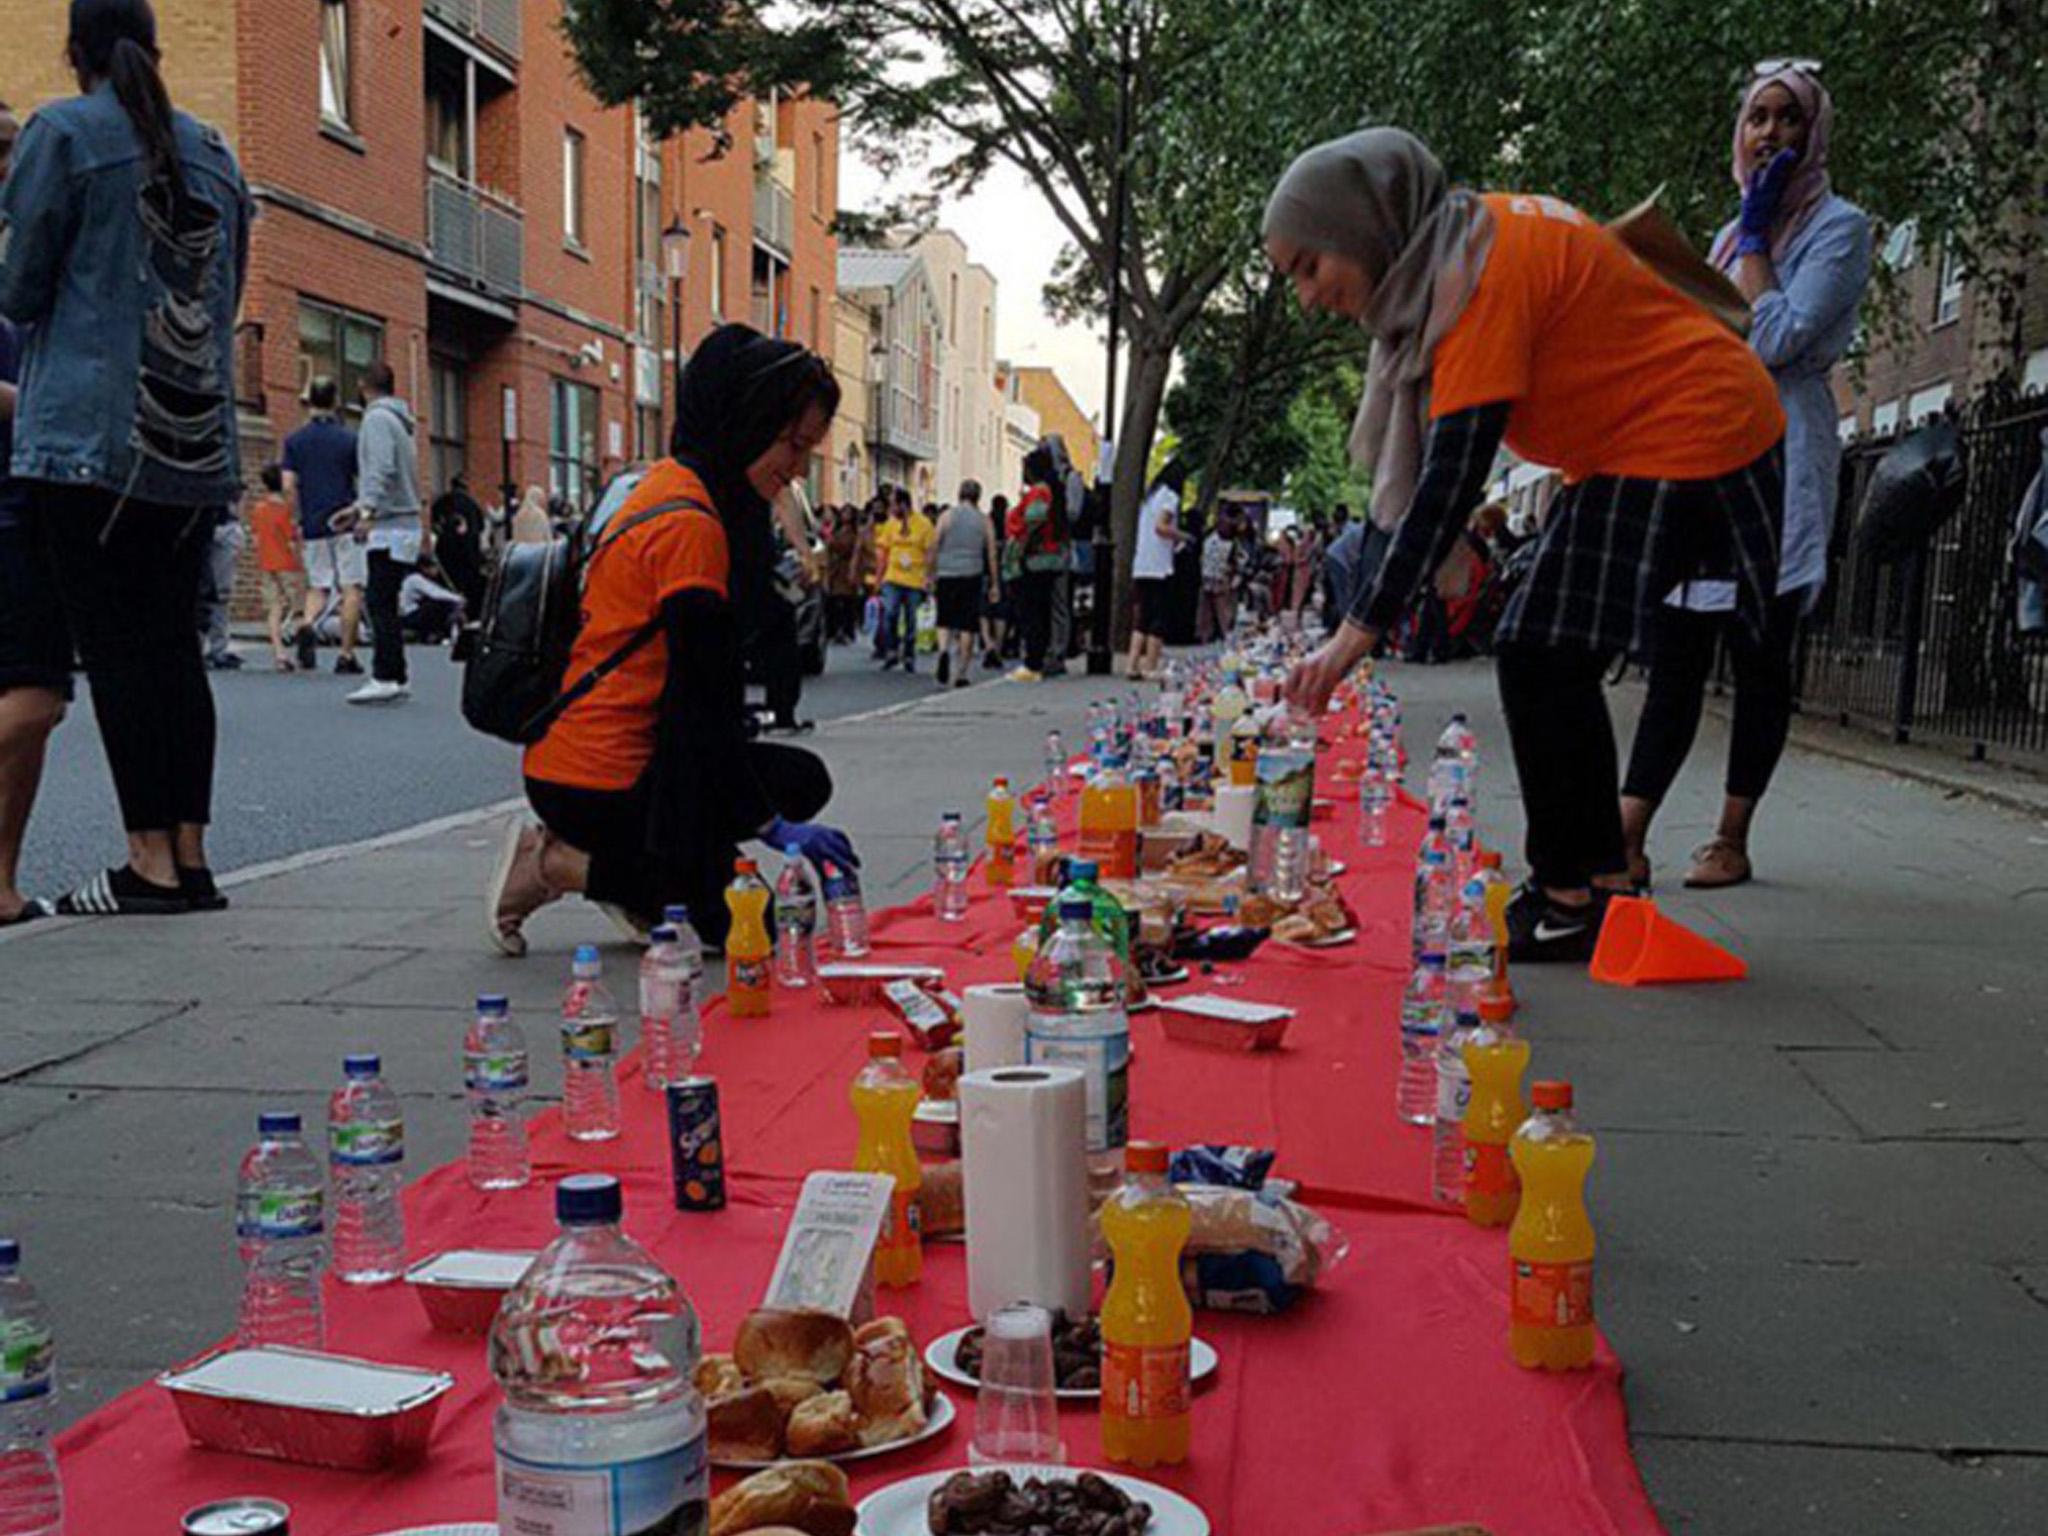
{"x":1488,"y":1170}
{"x":1551,"y":1295}
{"x":1145,"y":1382}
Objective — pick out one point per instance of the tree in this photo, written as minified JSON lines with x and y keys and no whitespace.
{"x":1321,"y":416}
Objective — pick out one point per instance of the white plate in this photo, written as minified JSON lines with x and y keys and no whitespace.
{"x":939,"y":1111}
{"x":470,"y":1528}
{"x":901,"y":1508}
{"x":1207,"y":1005}
{"x":1327,"y":941}
{"x":942,"y":1416}
{"x":943,"y":1356}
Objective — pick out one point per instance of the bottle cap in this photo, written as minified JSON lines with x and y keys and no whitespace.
{"x":1489,"y":858}
{"x":1076,"y":909}
{"x":946,"y":816}
{"x":586,"y":954}
{"x":277,"y":1122}
{"x":1083,"y":869}
{"x":1002,"y":781}
{"x":359,"y":1066}
{"x":10,"y":1252}
{"x":675,"y":916}
{"x":1496,"y":1010}
{"x":494,"y":1003}
{"x":588,"y":1200}
{"x":1145,"y":1157}
{"x":744,"y":866}
{"x":665,"y":935}
{"x":1551,"y":1095}
{"x":792,"y":853}
{"x":884,"y":1042}
{"x":1432,"y":961}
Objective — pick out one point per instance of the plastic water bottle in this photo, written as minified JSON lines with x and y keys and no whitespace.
{"x":1462,"y":834}
{"x":1285,"y":798}
{"x":1042,"y":835}
{"x":31,"y":1499}
{"x":1459,"y":741}
{"x":1375,"y":795}
{"x":590,"y":1051}
{"x":495,"y":1074}
{"x":845,"y":912}
{"x":601,"y":1428}
{"x":1433,"y":891}
{"x":796,"y":923}
{"x":667,"y":993}
{"x":1453,"y":1098}
{"x":281,"y":1226}
{"x":686,"y":1040}
{"x":366,"y":1157}
{"x":1422,"y":1027}
{"x":1075,"y":992}
{"x":949,"y":863}
{"x":1055,"y":763}
{"x":1468,"y":957}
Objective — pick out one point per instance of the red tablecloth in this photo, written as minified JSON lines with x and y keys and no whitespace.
{"x":1385,"y":1400}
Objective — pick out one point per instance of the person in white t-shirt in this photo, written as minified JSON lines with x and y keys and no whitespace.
{"x":1159,"y":536}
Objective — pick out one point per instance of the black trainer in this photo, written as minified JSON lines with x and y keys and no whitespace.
{"x":1542,"y":931}
{"x":347,"y":666}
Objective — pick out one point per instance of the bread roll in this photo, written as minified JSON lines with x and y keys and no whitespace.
{"x":813,"y":1346}
{"x":942,"y":1202}
{"x":790,"y":1391}
{"x":942,"y":1073}
{"x":719,"y":1376}
{"x":747,"y":1426}
{"x":823,"y":1426}
{"x":886,"y":1380}
{"x":807,"y":1496}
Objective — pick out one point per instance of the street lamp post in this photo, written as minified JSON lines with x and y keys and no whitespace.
{"x":675,"y":256}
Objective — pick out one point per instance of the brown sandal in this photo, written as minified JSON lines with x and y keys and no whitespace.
{"x":1716,"y":864}
{"x":518,"y":888}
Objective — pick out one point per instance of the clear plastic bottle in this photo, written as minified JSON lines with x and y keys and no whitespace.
{"x":1459,"y":741}
{"x":590,"y":1051}
{"x":281,"y":1227}
{"x":1281,"y":810}
{"x":949,"y":869}
{"x":1229,"y":703}
{"x":1433,"y":890}
{"x":496,"y":1073}
{"x":1468,"y":956}
{"x":687,"y":1041}
{"x":1453,"y":1098}
{"x":1075,"y":993}
{"x":667,"y":993}
{"x":1422,"y":1026}
{"x":601,"y":1428}
{"x":1042,"y":835}
{"x":1055,"y":764}
{"x":845,"y":912}
{"x":366,"y":1161}
{"x":796,"y":922}
{"x":31,"y":1498}
{"x":1375,"y":796}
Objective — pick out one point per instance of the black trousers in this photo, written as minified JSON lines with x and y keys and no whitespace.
{"x":627,"y":865}
{"x":1681,"y":661}
{"x":387,"y":633}
{"x":1035,"y":593}
{"x":1556,"y":706}
{"x":127,"y":575}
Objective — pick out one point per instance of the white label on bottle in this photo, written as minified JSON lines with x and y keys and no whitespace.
{"x":622,"y":1499}
{"x":1453,"y":1096}
{"x":1104,"y":1062}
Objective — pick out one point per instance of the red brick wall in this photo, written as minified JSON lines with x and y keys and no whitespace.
{"x":551,"y":101}
{"x":815,"y":257}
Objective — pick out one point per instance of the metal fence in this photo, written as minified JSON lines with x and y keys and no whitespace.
{"x":1929,"y":649}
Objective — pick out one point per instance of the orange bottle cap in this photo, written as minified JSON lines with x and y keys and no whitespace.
{"x":1550,"y":1095}
{"x":1145,"y":1157}
{"x":1001,"y":782}
{"x":744,"y":867}
{"x":885,"y":1042}
{"x":1489,"y":858}
{"x":1495,"y":1009}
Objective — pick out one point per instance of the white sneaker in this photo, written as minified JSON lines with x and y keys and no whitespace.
{"x":378,"y":692}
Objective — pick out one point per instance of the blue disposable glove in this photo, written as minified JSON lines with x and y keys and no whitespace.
{"x":814,"y":840}
{"x":1760,"y":200}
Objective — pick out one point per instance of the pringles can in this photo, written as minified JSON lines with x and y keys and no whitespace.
{"x":696,"y":1144}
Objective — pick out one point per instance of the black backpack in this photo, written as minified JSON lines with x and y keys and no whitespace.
{"x":512,"y":686}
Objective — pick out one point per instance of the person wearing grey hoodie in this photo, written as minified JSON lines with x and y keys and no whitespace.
{"x":394,"y":522}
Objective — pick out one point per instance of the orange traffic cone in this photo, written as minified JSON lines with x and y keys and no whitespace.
{"x":1640,"y":945}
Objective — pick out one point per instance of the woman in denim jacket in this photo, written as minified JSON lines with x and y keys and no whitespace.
{"x":123,"y":245}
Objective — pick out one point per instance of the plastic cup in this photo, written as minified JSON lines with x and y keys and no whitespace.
{"x":1016,"y":1416}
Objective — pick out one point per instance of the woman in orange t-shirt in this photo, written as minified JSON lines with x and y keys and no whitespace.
{"x":1511,"y":317}
{"x":647,"y":784}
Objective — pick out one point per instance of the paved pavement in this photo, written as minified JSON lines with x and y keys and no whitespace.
{"x":1822,"y":1193}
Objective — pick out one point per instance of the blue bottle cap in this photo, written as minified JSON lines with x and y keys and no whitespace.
{"x":1083,"y":869}
{"x":10,"y":1252}
{"x":493,"y":1003}
{"x":792,"y":853}
{"x":277,"y":1122}
{"x":949,"y":816}
{"x":665,"y":935}
{"x":1076,"y":908}
{"x":676,"y":915}
{"x":361,"y":1065}
{"x":586,"y":954}
{"x":588,"y":1200}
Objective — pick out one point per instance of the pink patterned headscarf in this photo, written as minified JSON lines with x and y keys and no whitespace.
{"x":1809,"y":185}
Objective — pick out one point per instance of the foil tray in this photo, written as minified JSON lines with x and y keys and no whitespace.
{"x":461,"y":1288}
{"x":304,"y":1406}
{"x":858,"y":983}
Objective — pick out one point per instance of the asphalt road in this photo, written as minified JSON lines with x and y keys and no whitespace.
{"x":300,"y":769}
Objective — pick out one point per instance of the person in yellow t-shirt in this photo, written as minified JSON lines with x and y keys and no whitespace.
{"x":905,"y":544}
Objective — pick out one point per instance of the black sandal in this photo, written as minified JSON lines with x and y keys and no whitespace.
{"x":200,"y":892}
{"x":122,"y":893}
{"x":30,"y":911}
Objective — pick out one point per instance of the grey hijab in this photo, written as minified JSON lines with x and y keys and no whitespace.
{"x":1380,"y":197}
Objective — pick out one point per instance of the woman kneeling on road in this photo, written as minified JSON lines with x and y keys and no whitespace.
{"x":1517,"y":317}
{"x":646,"y":785}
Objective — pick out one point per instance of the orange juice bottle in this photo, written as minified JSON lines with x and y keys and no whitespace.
{"x":748,"y":948}
{"x":1496,"y":1060}
{"x":1109,"y":823}
{"x":1550,"y":1246}
{"x":885,"y":1098}
{"x":1498,"y":894}
{"x":1002,"y":833}
{"x":1146,"y":1320}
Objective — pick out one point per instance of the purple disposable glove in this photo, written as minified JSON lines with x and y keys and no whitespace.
{"x":814,"y":840}
{"x":1760,"y":200}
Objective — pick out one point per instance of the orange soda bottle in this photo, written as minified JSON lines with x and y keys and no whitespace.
{"x":885,"y":1098}
{"x":1498,"y":894}
{"x":1109,"y":823}
{"x":1002,"y":833}
{"x":748,"y":948}
{"x":1496,"y":1060}
{"x":1146,"y":1320}
{"x":1550,"y":1246}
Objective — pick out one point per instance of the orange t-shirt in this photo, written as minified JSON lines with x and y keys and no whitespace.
{"x":606,"y":738}
{"x":277,"y":535}
{"x":1606,"y":368}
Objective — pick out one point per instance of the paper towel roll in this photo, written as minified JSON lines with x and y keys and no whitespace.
{"x":1023,"y":1134}
{"x":1232,"y":818}
{"x":992,"y":1016}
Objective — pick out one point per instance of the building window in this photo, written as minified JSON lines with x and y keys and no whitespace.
{"x":648,"y":442}
{"x":572,"y":187}
{"x":572,"y":444}
{"x":1924,"y":403}
{"x":1948,"y":294}
{"x":448,"y":421}
{"x":334,"y":62}
{"x":817,"y":320}
{"x":448,"y":148}
{"x":717,"y":272}
{"x":1901,"y":246}
{"x":953,"y":308}
{"x":818,"y":175}
{"x":2035,"y":377}
{"x":1885,"y":419}
{"x":337,"y":344}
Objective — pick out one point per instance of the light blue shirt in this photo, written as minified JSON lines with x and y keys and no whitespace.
{"x":1799,"y":330}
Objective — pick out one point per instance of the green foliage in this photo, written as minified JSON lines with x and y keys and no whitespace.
{"x":1321,"y":416}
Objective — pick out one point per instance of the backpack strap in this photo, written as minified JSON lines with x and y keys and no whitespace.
{"x":544,"y":719}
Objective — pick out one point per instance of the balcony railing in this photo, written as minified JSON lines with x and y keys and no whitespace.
{"x":473,"y":236}
{"x":495,"y":22}
{"x":774,"y":216}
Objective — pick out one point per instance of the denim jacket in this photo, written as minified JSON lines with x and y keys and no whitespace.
{"x":128,"y":380}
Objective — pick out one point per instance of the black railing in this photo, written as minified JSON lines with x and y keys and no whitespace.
{"x":1930,"y":649}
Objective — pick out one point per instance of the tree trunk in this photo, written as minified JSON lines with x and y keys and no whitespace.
{"x":1258,"y":327}
{"x":1144,"y":393}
